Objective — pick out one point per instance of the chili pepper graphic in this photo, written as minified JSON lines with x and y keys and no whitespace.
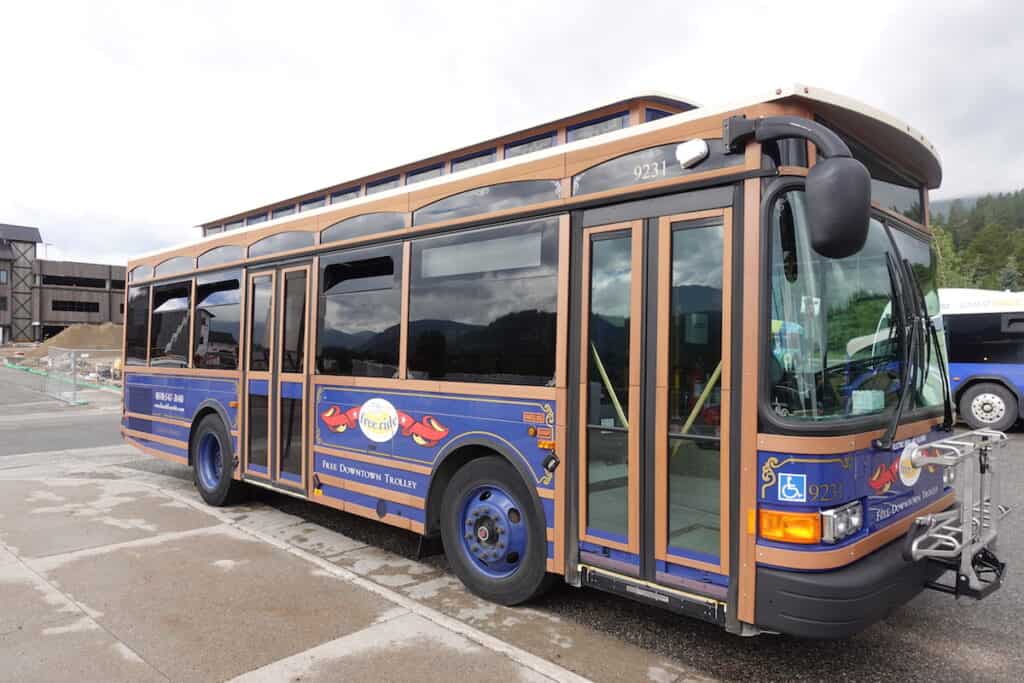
{"x":885,"y":476}
{"x":428,"y":432}
{"x":338,"y":421}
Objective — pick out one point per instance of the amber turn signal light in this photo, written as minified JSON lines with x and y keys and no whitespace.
{"x":790,"y":527}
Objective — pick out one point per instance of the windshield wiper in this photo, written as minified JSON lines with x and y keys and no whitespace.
{"x":947,"y":402}
{"x":907,"y":350}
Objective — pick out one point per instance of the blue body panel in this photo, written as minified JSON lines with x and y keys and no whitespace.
{"x":419,"y":429}
{"x":178,"y":398}
{"x":1010,"y":373}
{"x":870,"y":475}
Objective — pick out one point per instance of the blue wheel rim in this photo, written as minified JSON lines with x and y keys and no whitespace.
{"x":209,"y":462}
{"x":494,"y":532}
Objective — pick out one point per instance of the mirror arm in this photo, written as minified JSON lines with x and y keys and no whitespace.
{"x":737,"y":131}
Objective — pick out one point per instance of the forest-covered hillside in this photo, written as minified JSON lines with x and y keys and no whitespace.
{"x":982,"y":246}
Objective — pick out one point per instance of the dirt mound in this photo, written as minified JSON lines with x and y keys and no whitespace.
{"x":85,"y":337}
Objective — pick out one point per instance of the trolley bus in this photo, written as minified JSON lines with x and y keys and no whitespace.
{"x":610,"y":350}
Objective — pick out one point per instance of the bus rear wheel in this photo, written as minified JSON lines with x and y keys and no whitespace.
{"x":213,"y":463}
{"x":989,"y":406}
{"x":494,"y":538}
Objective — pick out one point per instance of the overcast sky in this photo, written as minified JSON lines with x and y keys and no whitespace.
{"x":125,"y":124}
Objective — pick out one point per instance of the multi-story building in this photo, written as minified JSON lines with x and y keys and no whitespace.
{"x":39,"y":298}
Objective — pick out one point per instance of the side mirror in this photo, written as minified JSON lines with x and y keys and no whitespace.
{"x":838,"y":191}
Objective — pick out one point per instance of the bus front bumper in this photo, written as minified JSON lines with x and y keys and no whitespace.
{"x":844,"y":601}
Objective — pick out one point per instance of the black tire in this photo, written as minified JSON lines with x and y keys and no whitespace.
{"x":988,"y":405}
{"x":216,"y":486}
{"x":530,"y":578}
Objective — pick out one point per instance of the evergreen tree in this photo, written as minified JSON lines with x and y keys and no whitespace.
{"x":1009,"y":276}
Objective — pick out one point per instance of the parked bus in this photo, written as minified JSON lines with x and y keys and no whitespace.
{"x":985,"y":332}
{"x":610,"y":350}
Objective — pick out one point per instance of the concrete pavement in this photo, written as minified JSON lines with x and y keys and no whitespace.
{"x":111,"y":571}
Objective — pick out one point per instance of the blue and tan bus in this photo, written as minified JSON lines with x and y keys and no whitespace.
{"x":557,"y":355}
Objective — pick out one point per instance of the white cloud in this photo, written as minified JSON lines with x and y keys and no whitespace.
{"x":127,"y":123}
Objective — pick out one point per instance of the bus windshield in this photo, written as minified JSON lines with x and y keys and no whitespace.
{"x":841,"y":357}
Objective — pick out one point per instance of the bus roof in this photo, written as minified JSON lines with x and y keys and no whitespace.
{"x":851,"y":115}
{"x":901,"y":143}
{"x":961,"y":301}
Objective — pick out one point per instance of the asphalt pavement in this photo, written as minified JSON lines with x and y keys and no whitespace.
{"x":134,"y":579}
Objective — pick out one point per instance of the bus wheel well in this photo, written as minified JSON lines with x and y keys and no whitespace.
{"x":199,"y":417}
{"x":443,"y":475}
{"x":974,"y":381}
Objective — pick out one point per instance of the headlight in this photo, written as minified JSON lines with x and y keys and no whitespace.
{"x":840,"y":522}
{"x":948,"y":476}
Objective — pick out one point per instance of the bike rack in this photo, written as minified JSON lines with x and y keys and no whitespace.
{"x":962,"y":538}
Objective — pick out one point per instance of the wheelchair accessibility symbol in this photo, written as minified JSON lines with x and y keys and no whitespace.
{"x":792,"y":488}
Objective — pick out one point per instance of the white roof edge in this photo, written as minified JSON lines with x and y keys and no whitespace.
{"x":956,"y":301}
{"x":795,"y":90}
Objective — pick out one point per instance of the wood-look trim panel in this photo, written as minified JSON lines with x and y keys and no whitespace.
{"x":562,"y":305}
{"x":184,"y":372}
{"x":360,"y":511}
{"x":793,"y":170}
{"x":156,"y":438}
{"x":830,"y":559}
{"x":661,"y":468}
{"x":748,"y":388}
{"x":265,"y":375}
{"x":403,"y":330}
{"x":910,"y":222}
{"x":162,"y":420}
{"x":825,"y":445}
{"x":635,"y":230}
{"x":291,"y":377}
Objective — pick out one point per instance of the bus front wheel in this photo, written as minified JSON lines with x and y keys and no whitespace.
{"x":213,"y":463}
{"x":989,"y":406}
{"x":494,"y":538}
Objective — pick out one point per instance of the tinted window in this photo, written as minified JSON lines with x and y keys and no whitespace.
{"x":217,"y":321}
{"x":695,"y":390}
{"x":488,"y":199}
{"x":293,"y":332}
{"x":533,"y":144}
{"x":474,"y":160}
{"x":234,"y":225}
{"x":117,"y":284}
{"x":381,"y":185}
{"x":259,"y":422}
{"x":655,"y":114}
{"x":360,"y":312}
{"x":168,"y":332}
{"x":137,"y":326}
{"x":359,"y":226}
{"x":261,"y":307}
{"x":313,"y":203}
{"x":283,"y":211}
{"x":482,"y":305}
{"x":256,"y":218}
{"x":171,"y":266}
{"x":424,"y":174}
{"x":889,"y":188}
{"x":648,"y":165}
{"x":598,"y":127}
{"x":344,"y":195}
{"x":75,"y":306}
{"x":220,"y":255}
{"x":285,"y":241}
{"x":985,"y":338}
{"x":140,"y":273}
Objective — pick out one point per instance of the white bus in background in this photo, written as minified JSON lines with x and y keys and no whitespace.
{"x":985,"y":338}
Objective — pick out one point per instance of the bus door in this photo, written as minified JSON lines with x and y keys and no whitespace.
{"x":276,"y":371}
{"x":653,"y":400}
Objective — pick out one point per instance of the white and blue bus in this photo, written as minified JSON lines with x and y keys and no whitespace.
{"x":985,"y":333}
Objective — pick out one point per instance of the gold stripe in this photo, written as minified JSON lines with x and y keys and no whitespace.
{"x":155,"y":438}
{"x":373,"y":491}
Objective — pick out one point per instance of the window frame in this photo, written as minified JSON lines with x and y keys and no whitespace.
{"x":196,"y":305}
{"x":190,"y":283}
